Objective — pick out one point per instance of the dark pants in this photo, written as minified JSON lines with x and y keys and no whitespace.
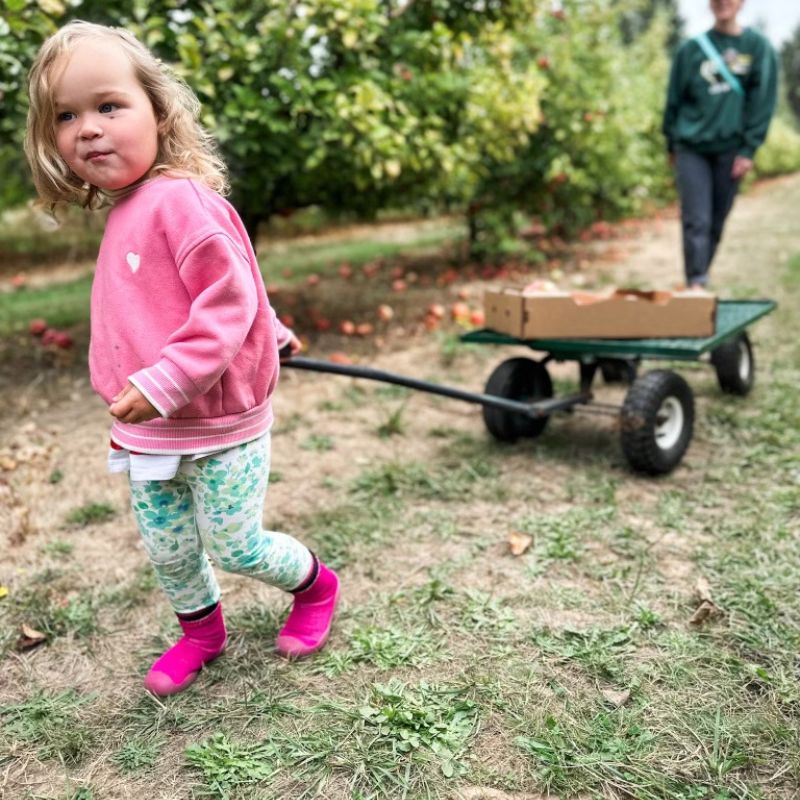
{"x":707,"y":191}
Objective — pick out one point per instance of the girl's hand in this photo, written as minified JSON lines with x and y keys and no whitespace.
{"x":291,"y":348}
{"x":741,"y":166}
{"x":130,"y":406}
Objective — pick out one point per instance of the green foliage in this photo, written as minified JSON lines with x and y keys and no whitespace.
{"x":589,"y":753}
{"x":385,"y":648}
{"x":90,"y":514}
{"x":226,"y":764}
{"x":356,"y":105}
{"x":780,"y":153}
{"x":52,"y":723}
{"x":599,"y":152}
{"x":137,"y":753}
{"x":23,"y":26}
{"x":790,"y":61}
{"x":429,"y":717}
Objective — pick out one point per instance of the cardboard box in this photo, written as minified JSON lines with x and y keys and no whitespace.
{"x":613,"y":314}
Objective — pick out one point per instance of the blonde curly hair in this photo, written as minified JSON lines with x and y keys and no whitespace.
{"x":185,"y":148}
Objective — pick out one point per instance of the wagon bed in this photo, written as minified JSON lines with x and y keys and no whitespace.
{"x":733,"y":316}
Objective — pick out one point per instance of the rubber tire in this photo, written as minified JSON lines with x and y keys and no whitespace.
{"x":520,"y":379}
{"x":639,"y":421}
{"x":728,"y":359}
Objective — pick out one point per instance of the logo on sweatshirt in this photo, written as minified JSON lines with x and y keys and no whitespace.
{"x":133,"y":260}
{"x":738,"y":63}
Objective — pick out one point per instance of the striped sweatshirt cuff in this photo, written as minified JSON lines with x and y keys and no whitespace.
{"x":165,"y":386}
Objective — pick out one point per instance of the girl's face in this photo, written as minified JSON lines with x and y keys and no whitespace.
{"x":726,"y":10}
{"x":105,"y":126}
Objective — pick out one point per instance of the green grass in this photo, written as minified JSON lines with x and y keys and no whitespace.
{"x":304,"y":259}
{"x":62,"y":305}
{"x":66,"y":305}
{"x":51,"y":724}
{"x":90,"y":514}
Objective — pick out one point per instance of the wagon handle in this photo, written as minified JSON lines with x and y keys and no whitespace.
{"x":540,"y":408}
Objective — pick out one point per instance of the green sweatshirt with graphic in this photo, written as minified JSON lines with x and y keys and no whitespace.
{"x":703,"y":112}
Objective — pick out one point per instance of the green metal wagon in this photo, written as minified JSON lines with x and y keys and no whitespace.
{"x":657,"y":414}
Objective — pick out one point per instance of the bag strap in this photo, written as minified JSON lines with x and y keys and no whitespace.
{"x":714,"y":55}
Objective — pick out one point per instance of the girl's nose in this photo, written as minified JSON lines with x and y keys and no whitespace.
{"x":90,"y":128}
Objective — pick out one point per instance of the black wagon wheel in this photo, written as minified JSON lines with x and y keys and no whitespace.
{"x":735,"y":366}
{"x":657,"y":421}
{"x":520,"y":379}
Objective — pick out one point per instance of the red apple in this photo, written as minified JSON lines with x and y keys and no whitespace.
{"x":62,"y":340}
{"x":364,"y":328}
{"x":322,"y":324}
{"x":347,"y":327}
{"x":459,"y":311}
{"x":399,"y":285}
{"x":37,"y":327}
{"x":436,"y":310}
{"x":477,"y":318}
{"x":287,"y":320}
{"x":385,"y":312}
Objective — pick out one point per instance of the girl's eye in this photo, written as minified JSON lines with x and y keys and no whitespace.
{"x":107,"y":108}
{"x":65,"y":116}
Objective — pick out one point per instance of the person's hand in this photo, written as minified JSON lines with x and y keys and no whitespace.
{"x":130,"y":406}
{"x":741,"y":166}
{"x":291,"y":348}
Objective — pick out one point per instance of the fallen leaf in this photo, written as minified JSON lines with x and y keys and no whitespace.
{"x":703,"y":590}
{"x":30,"y":638}
{"x":616,"y":699}
{"x":3,"y":592}
{"x":703,"y":612}
{"x":518,"y":542}
{"x":7,"y":463}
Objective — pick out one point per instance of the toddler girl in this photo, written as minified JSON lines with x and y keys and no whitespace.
{"x":184,"y":344}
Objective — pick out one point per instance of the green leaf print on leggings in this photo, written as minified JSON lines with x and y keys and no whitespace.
{"x":212,"y":509}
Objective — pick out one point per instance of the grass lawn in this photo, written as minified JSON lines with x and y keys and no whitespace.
{"x":455,"y":670}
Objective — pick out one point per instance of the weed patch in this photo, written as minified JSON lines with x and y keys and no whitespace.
{"x":51,"y":723}
{"x":90,"y":514}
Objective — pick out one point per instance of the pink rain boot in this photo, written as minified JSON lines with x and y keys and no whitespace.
{"x":309,"y":623}
{"x":202,"y":641}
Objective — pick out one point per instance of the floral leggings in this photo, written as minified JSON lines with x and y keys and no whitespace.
{"x":212,"y":510}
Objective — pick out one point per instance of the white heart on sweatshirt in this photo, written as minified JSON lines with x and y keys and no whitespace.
{"x":133,"y":260}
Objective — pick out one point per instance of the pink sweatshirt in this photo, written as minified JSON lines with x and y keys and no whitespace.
{"x":179,"y":309}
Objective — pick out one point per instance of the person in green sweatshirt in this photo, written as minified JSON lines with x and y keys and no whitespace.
{"x":720,"y":100}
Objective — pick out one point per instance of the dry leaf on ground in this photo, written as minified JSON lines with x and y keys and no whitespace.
{"x":703,"y":590}
{"x":518,"y":542}
{"x":30,"y":638}
{"x":617,"y":699}
{"x":703,"y":612}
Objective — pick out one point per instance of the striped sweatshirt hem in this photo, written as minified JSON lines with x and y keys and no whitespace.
{"x":182,"y":436}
